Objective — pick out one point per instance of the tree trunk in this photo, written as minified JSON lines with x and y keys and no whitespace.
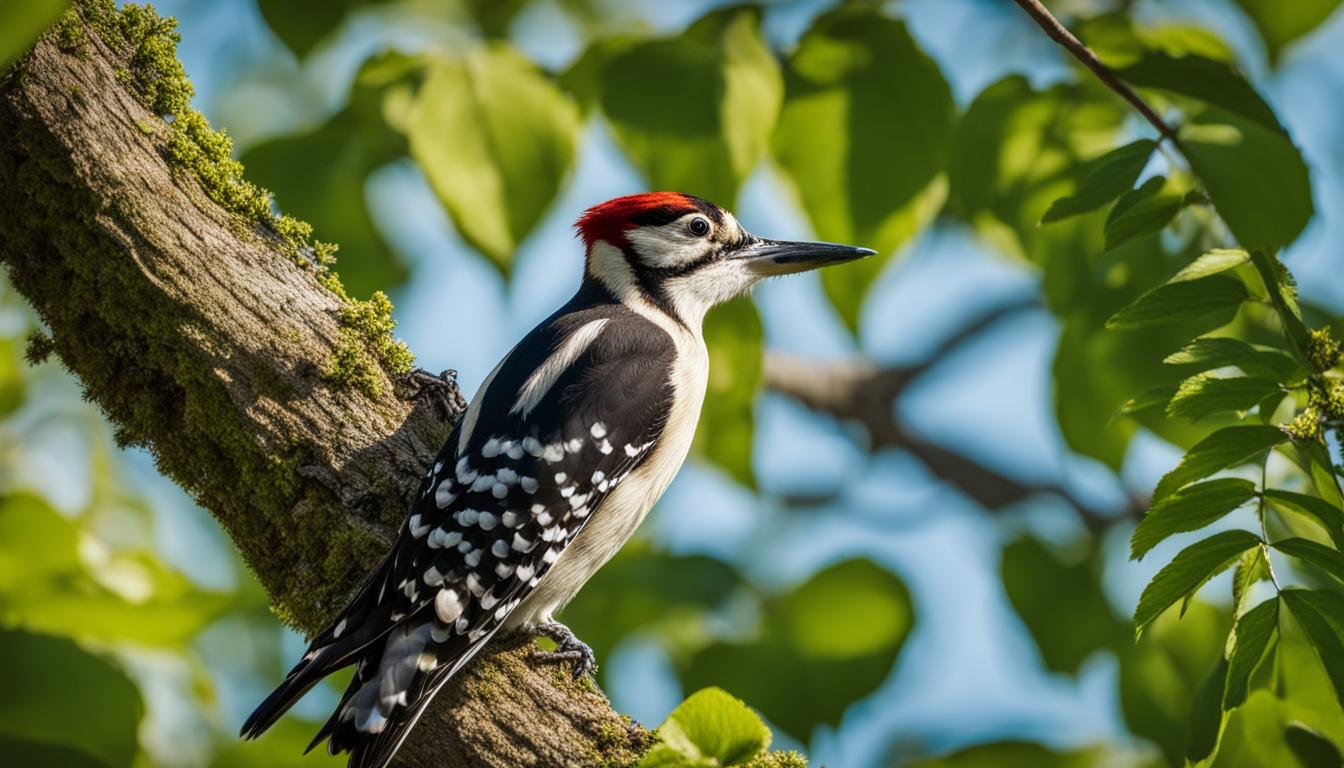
{"x":208,"y":344}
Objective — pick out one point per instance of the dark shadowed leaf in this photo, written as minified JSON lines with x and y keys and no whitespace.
{"x":1228,"y":447}
{"x":736,"y":339}
{"x":1319,"y":615}
{"x":1256,"y":178}
{"x":280,"y":747}
{"x":1213,"y":82}
{"x":710,"y":728}
{"x":1111,"y":175}
{"x":319,"y":176}
{"x":1189,"y":509}
{"x":1021,"y":754}
{"x":302,"y":24}
{"x":1282,"y":292}
{"x":1318,"y":555}
{"x":864,"y":135}
{"x":1174,"y":302}
{"x":823,"y":646}
{"x":1204,"y":395}
{"x":1251,"y":636}
{"x":1281,"y":23}
{"x":694,"y":112}
{"x":496,"y":138}
{"x":1206,"y":715}
{"x":1059,"y":597}
{"x":1155,"y":397}
{"x":60,"y":695}
{"x":35,"y":754}
{"x":1325,"y":514}
{"x":1311,"y":746}
{"x":1188,"y":571}
{"x":1142,"y":211}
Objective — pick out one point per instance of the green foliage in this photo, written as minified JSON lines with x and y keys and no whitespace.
{"x":736,"y":344}
{"x":710,"y":728}
{"x":865,"y":172}
{"x":21,"y":23}
{"x":1020,"y":754}
{"x":837,"y":635}
{"x":1109,"y":177}
{"x":302,"y":24}
{"x":1228,"y":447}
{"x":1250,"y":638}
{"x":1281,"y":23}
{"x":514,"y":136}
{"x":1189,"y":509}
{"x":1190,"y":569}
{"x":37,"y":723}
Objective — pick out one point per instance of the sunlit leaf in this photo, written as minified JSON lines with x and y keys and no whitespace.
{"x":711,"y":728}
{"x":282,"y":746}
{"x":735,"y":338}
{"x":1111,"y":175}
{"x":1211,"y":263}
{"x":864,"y":134}
{"x":1228,"y":447}
{"x":1188,"y":571}
{"x":1251,"y":568}
{"x":1143,"y":211}
{"x":1217,"y":352}
{"x":1174,"y":302}
{"x":1325,"y":514}
{"x":1321,"y":557}
{"x":1154,"y":397}
{"x":1281,"y":23}
{"x":60,"y":695}
{"x":1250,"y":638}
{"x":1189,"y":509}
{"x":22,"y":22}
{"x":822,"y":647}
{"x":496,"y":138}
{"x":1283,"y":296}
{"x":694,"y":112}
{"x":1204,"y":395}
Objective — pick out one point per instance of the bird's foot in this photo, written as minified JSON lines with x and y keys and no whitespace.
{"x":441,"y":390}
{"x":569,"y":649}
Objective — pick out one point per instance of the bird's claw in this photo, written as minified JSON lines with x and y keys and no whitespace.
{"x":569,"y":649}
{"x":440,"y":389}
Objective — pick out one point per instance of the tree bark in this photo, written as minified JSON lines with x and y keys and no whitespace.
{"x":205,"y":343}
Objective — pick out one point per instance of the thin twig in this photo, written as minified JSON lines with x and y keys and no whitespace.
{"x":1060,"y":34}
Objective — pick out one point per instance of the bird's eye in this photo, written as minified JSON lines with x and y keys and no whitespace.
{"x":698,"y":227}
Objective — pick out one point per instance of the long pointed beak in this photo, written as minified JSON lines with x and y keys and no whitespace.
{"x":784,"y":257}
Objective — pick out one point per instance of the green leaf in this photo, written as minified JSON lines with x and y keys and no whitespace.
{"x":694,"y":112}
{"x":22,"y":22}
{"x":1154,"y":397}
{"x":1257,"y":179}
{"x":1251,"y":568}
{"x":1188,"y":571}
{"x":1228,"y":447}
{"x":1250,"y":637}
{"x":1175,"y":302}
{"x":302,"y":24}
{"x":1021,"y":754}
{"x":1318,"y":555}
{"x":711,"y":728}
{"x":1210,"y":81}
{"x":1211,"y":263}
{"x":282,"y":746}
{"x":1220,"y":351}
{"x":1204,"y":395}
{"x":496,"y":139}
{"x":1311,"y":747}
{"x":1189,"y":509}
{"x":1059,"y":597}
{"x":60,"y":695}
{"x":319,"y":176}
{"x":736,"y":341}
{"x":35,"y":754}
{"x":1111,"y":175}
{"x":1283,"y":295}
{"x":1206,"y":716}
{"x":820,"y":648}
{"x":864,"y":135}
{"x":1142,"y":211}
{"x":1327,"y":515}
{"x":1313,"y":610}
{"x":1281,"y":23}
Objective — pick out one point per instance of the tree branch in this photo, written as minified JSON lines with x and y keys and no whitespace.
{"x":205,"y":342}
{"x":861,"y":392}
{"x":1060,"y":34}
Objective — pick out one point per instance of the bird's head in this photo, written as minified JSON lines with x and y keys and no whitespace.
{"x":686,"y":254}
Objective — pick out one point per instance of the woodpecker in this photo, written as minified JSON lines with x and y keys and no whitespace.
{"x":564,"y":449}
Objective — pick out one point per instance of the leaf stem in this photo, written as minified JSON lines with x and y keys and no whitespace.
{"x":1060,"y":34}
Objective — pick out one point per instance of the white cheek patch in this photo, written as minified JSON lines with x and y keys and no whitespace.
{"x":695,"y":293}
{"x":669,"y":245}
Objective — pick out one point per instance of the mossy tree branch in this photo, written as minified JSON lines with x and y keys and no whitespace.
{"x":213,"y":338}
